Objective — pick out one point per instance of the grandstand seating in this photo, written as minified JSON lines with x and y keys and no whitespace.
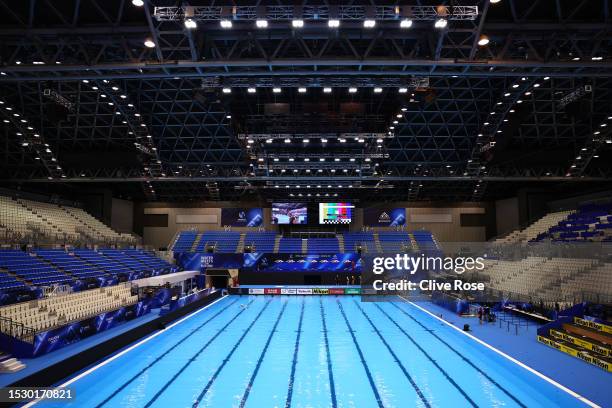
{"x":364,"y":239}
{"x":394,"y":241}
{"x":224,"y":241}
{"x":184,"y":241}
{"x":262,"y":241}
{"x":323,"y":246}
{"x":43,"y":314}
{"x":592,"y":222}
{"x":70,"y":263}
{"x":31,"y":269}
{"x":425,"y":240}
{"x":533,"y":230}
{"x":290,"y":245}
{"x":39,"y":221}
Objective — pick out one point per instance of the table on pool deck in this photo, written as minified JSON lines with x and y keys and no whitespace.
{"x":319,"y":351}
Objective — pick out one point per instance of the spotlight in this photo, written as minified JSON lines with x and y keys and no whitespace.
{"x":149,"y":43}
{"x":138,"y":3}
{"x":297,"y":23}
{"x":251,"y":90}
{"x":227,"y":90}
{"x":190,"y":23}
{"x":327,"y":90}
{"x":226,"y":24}
{"x":352,"y":90}
{"x":287,"y":140}
{"x":302,"y":90}
{"x":333,"y":23}
{"x":494,"y":1}
{"x":306,"y":140}
{"x":369,"y":23}
{"x":406,"y":23}
{"x":402,"y":90}
{"x":377,"y":90}
{"x":440,"y":23}
{"x":484,"y":40}
{"x":276,"y":90}
{"x":261,"y":23}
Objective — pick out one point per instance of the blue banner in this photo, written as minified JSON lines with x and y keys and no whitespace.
{"x":265,"y":262}
{"x":384,"y":217}
{"x":242,"y":217}
{"x":192,"y":261}
{"x":54,"y":339}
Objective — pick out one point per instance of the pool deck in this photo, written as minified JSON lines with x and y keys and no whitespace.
{"x":587,"y":380}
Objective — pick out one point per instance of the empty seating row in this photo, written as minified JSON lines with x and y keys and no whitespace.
{"x":43,"y":314}
{"x":365,"y":240}
{"x":323,"y":246}
{"x":261,"y":241}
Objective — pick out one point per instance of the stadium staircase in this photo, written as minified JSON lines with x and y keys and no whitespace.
{"x":240,"y":247}
{"x":379,"y":248}
{"x":340,"y":243}
{"x":532,"y":231}
{"x":277,"y":243}
{"x":196,"y":242}
{"x":304,"y":246}
{"x":10,"y":364}
{"x":588,"y":340}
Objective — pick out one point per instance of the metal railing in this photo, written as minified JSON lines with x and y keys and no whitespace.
{"x":16,"y":330}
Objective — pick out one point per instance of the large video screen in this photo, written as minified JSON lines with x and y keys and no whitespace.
{"x":289,"y":213}
{"x":335,"y":213}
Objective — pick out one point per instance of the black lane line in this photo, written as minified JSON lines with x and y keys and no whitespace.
{"x":434,"y":362}
{"x":396,"y":358}
{"x":229,"y":356}
{"x":468,"y":361}
{"x":332,"y":385}
{"x":193,"y":358}
{"x":164,"y":354}
{"x":295,"y":356}
{"x":361,"y":357}
{"x":249,"y":386}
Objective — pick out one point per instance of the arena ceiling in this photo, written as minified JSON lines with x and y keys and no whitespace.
{"x":385,"y":112}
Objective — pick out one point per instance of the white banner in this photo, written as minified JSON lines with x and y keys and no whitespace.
{"x":303,"y":291}
{"x":288,"y":291}
{"x":256,"y":291}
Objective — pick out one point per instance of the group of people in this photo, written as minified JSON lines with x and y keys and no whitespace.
{"x":485,"y":313}
{"x":350,"y":280}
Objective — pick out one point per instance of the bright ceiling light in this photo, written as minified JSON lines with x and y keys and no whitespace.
{"x":276,"y":90}
{"x":494,"y":1}
{"x":406,"y":23}
{"x":251,"y":90}
{"x":333,"y":23}
{"x":297,"y":23}
{"x":377,"y":90}
{"x":369,"y":23}
{"x":302,"y":90}
{"x":138,"y":3}
{"x":190,"y":23}
{"x":483,"y":40}
{"x":226,"y":24}
{"x":149,"y":43}
{"x":306,"y":140}
{"x":261,"y":23}
{"x":440,"y":23}
{"x":327,"y":90}
{"x":227,"y":90}
{"x":402,"y":90}
{"x":287,"y":140}
{"x":352,"y":90}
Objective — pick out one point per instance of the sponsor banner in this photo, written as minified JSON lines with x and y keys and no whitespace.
{"x":352,"y":291}
{"x":304,"y":291}
{"x":57,"y":338}
{"x":320,"y":291}
{"x":288,"y":291}
{"x":579,"y":342}
{"x":242,"y":217}
{"x":593,"y":325}
{"x":272,"y":291}
{"x":336,"y":291}
{"x":572,"y":352}
{"x":331,"y":263}
{"x":192,"y":261}
{"x":256,"y":291}
{"x":384,"y":217}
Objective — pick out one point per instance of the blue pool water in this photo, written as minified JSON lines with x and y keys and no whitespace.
{"x":312,"y":351}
